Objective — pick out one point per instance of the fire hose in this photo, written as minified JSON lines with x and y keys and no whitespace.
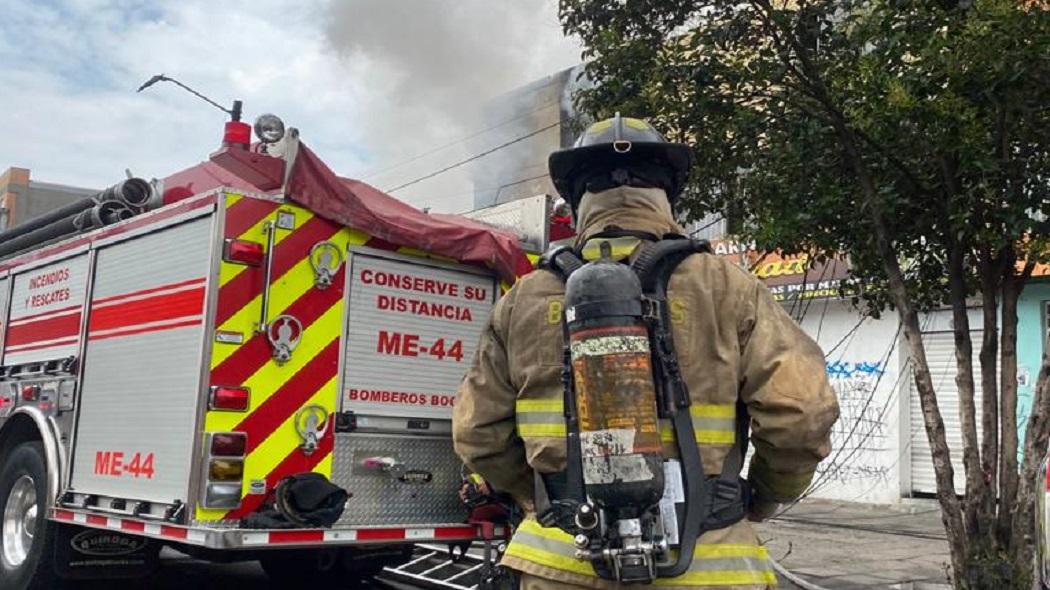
{"x":117,"y":203}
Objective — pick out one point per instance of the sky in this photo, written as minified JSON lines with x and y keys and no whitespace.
{"x":374,"y":86}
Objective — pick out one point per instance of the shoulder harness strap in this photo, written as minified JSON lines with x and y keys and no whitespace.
{"x":562,"y":261}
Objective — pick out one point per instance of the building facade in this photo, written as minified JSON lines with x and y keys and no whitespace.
{"x":880,"y":452}
{"x":23,"y":198}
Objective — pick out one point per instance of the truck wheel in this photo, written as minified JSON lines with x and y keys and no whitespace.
{"x":26,"y":536}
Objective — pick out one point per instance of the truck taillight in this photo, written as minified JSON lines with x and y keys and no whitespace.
{"x":226,"y":496}
{"x":30,"y":393}
{"x":243,"y":252}
{"x":228,"y":444}
{"x":230,"y":399}
{"x":224,"y":470}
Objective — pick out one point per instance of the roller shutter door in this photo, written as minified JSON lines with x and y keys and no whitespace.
{"x":940,"y":352}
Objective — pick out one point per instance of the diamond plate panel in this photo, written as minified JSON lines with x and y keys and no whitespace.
{"x":380,"y":497}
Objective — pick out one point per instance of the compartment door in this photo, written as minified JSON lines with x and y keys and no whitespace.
{"x":142,"y":368}
{"x":46,"y":304}
{"x":412,"y":330}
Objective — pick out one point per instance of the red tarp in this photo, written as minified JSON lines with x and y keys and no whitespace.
{"x":356,"y":204}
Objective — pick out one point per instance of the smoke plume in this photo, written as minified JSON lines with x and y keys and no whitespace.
{"x":429,"y":68}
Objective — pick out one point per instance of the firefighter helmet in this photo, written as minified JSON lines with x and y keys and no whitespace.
{"x":616,"y":152}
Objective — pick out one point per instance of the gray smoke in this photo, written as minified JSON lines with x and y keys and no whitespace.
{"x":432,"y":67}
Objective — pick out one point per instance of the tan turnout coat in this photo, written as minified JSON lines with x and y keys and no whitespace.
{"x":734,"y":342}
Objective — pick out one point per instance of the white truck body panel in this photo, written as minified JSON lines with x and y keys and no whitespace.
{"x":412,"y":331}
{"x":141,"y":382}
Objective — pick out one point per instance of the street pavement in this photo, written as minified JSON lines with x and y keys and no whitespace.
{"x":834,"y":545}
{"x":849,"y":546}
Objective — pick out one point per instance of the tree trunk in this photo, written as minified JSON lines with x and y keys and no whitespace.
{"x":990,"y":278}
{"x":1008,"y":404}
{"x":964,"y":383}
{"x":951,"y":510}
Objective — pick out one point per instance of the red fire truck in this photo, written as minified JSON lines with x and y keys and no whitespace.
{"x":171,"y":350}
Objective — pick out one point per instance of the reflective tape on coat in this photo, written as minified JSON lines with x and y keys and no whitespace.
{"x":714,"y":424}
{"x":723,"y":564}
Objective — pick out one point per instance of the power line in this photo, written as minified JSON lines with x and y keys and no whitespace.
{"x":474,"y":157}
{"x":431,"y":200}
{"x":458,"y":141}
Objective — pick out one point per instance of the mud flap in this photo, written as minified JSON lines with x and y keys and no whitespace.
{"x":89,"y":554}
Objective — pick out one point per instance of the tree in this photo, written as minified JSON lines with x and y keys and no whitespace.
{"x":913,"y":137}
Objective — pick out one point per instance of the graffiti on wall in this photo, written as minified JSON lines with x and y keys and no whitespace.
{"x":859,"y":437}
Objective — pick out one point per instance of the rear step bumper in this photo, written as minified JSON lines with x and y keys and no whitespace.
{"x":432,"y":567}
{"x":231,"y":538}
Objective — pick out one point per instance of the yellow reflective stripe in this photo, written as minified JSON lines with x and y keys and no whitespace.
{"x":713,"y":564}
{"x":619,"y":248}
{"x":537,"y":418}
{"x":713,"y":410}
{"x":539,"y":405}
{"x":716,"y":551}
{"x":636,"y":123}
{"x":704,"y":437}
{"x":557,"y":405}
{"x":532,"y":526}
{"x":550,"y":559}
{"x":541,"y":430}
{"x":714,"y":424}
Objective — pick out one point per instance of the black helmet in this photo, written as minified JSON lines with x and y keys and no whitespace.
{"x":616,"y":152}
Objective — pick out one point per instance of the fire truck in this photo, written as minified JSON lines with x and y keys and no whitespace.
{"x":171,"y":350}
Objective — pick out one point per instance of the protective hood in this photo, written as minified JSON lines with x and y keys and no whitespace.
{"x":625,"y":207}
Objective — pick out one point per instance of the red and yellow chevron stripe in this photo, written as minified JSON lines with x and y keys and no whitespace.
{"x":278,"y":391}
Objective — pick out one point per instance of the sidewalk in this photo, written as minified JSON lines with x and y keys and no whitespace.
{"x":849,"y":546}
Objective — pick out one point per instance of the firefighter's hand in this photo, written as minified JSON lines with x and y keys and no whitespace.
{"x":759,"y":511}
{"x":474,"y":490}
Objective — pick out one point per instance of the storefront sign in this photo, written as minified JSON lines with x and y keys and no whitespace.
{"x":787,"y":277}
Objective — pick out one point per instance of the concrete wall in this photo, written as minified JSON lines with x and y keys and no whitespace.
{"x":871,"y":456}
{"x":863,"y":366}
{"x":45,"y":197}
{"x":14,"y":182}
{"x":22,"y":198}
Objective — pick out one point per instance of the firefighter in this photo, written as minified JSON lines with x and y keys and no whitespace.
{"x":734,"y":344}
